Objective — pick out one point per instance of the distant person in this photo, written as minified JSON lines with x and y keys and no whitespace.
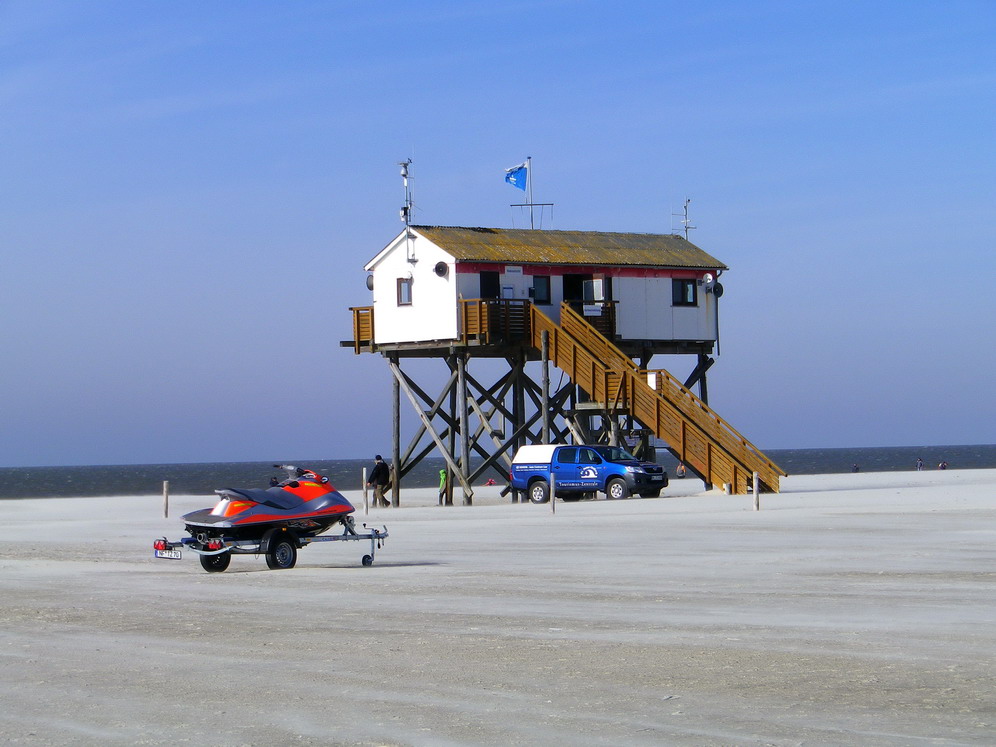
{"x":855,"y":468}
{"x":380,"y":478}
{"x":491,"y":481}
{"x":919,"y":464}
{"x":942,"y":465}
{"x":442,"y":486}
{"x":274,"y":482}
{"x":680,"y":471}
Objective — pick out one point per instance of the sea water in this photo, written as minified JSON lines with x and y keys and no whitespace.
{"x":347,"y":474}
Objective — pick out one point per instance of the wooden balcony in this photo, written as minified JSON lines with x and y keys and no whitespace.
{"x":483,"y":321}
{"x":363,"y":328}
{"x":490,"y":321}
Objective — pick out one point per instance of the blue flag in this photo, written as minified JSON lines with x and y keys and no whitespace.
{"x":517,"y":175}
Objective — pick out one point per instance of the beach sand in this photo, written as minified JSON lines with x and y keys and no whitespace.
{"x":853,"y":609}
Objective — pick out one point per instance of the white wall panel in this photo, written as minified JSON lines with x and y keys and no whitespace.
{"x":432,"y":314}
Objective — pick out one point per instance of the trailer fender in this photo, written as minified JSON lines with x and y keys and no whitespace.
{"x":284,"y":532}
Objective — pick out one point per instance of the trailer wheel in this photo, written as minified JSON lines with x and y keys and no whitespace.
{"x":616,"y":490}
{"x":367,"y":560}
{"x":281,"y":554}
{"x":539,"y":491}
{"x":216,"y":563}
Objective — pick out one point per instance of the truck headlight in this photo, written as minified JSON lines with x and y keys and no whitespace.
{"x":635,"y":470}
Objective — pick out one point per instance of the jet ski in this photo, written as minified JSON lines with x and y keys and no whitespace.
{"x":274,"y":522}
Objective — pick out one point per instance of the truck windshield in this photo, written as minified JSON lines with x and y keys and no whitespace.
{"x":614,"y":454}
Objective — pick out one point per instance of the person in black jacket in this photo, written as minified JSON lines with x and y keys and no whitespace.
{"x":380,"y":478}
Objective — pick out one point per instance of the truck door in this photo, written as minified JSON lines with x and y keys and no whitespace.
{"x":565,"y":466}
{"x":591,"y":469}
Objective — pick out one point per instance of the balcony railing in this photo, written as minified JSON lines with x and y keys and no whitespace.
{"x":494,"y":320}
{"x":363,"y":327}
{"x":491,"y":321}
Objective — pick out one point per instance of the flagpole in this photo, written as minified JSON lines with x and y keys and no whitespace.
{"x":529,"y":189}
{"x":514,"y":177}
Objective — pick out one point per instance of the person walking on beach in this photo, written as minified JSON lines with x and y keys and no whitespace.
{"x":380,"y":478}
{"x":442,"y":486}
{"x":919,"y":464}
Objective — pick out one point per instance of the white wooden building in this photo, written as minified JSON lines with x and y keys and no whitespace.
{"x":660,"y":290}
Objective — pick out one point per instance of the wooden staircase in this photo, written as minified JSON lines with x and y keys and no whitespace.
{"x":697,"y":436}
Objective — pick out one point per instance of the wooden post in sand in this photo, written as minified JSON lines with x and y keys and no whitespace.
{"x":545,"y":393}
{"x":396,"y":439}
{"x":366,"y":505}
{"x":553,"y":493}
{"x":165,"y":499}
{"x":757,"y":492}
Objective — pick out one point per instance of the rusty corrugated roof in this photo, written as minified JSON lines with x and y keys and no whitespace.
{"x":568,"y":247}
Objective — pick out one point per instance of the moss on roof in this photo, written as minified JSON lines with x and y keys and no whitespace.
{"x":568,"y":247}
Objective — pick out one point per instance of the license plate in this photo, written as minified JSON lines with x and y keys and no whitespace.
{"x":657,"y":477}
{"x":168,"y":554}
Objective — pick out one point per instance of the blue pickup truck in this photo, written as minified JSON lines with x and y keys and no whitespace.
{"x":584,"y":469}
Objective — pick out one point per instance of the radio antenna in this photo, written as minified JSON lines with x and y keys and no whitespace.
{"x":406,"y":211}
{"x":686,"y":222}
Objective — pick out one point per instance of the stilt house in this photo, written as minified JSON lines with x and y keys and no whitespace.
{"x":597,"y":305}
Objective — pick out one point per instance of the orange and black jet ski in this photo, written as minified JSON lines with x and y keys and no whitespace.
{"x":304,"y":502}
{"x":274,"y":522}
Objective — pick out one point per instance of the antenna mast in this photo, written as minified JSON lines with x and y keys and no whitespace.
{"x":406,"y":211}
{"x":685,"y":220}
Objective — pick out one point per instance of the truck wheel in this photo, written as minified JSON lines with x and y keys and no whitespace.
{"x":616,"y":490}
{"x":281,"y":554}
{"x":216,"y":563}
{"x":539,"y":492}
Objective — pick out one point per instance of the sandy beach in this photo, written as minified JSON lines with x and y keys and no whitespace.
{"x":853,"y":609}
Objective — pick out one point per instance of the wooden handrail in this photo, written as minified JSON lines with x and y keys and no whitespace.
{"x":669,"y":387}
{"x":673,"y":390}
{"x":670,"y":409}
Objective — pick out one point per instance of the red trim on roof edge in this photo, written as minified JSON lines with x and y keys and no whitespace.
{"x":472,"y":268}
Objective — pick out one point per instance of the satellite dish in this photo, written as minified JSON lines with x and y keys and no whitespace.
{"x":441,"y":269}
{"x":707,"y":278}
{"x":370,"y":282}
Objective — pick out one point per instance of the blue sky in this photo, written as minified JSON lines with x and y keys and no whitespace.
{"x":190,"y":191}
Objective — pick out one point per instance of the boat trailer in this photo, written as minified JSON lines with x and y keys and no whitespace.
{"x":278,"y":544}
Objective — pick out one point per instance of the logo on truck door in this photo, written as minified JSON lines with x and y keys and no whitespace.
{"x":588,"y":473}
